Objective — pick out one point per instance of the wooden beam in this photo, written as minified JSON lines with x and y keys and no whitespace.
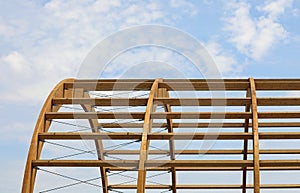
{"x":221,"y":163}
{"x":110,"y":86}
{"x":270,"y":101}
{"x":154,"y":115}
{"x":95,"y":115}
{"x":201,"y":169}
{"x":245,"y":155}
{"x":277,"y":85}
{"x":164,"y":93}
{"x":201,"y":125}
{"x":115,"y":80}
{"x":278,"y":115}
{"x":85,"y":163}
{"x":173,"y":80}
{"x":158,"y":95}
{"x":256,"y":172}
{"x":159,"y":100}
{"x":200,"y":115}
{"x":184,"y":84}
{"x":102,"y":101}
{"x":203,"y":101}
{"x":206,"y":152}
{"x":98,"y":143}
{"x":209,"y":186}
{"x":165,"y":136}
{"x":141,"y":181}
{"x":166,"y":163}
{"x":169,"y":115}
{"x":203,"y":86}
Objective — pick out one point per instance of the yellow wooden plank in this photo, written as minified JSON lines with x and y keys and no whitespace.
{"x":256,"y":172}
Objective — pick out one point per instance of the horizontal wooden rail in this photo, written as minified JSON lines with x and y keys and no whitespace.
{"x":277,"y":85}
{"x":174,"y":80}
{"x":152,"y":136}
{"x":207,"y":186}
{"x":114,"y":80}
{"x":95,"y":115}
{"x":167,"y":136}
{"x":201,"y":115}
{"x":165,"y":163}
{"x":179,"y":101}
{"x":261,"y":80}
{"x":234,"y":84}
{"x":84,"y":163}
{"x":155,"y":115}
{"x":203,"y":86}
{"x":143,"y":101}
{"x":200,"y":169}
{"x":201,"y":125}
{"x":169,"y":115}
{"x":110,"y":86}
{"x":276,"y":115}
{"x":207,"y":152}
{"x":102,"y":101}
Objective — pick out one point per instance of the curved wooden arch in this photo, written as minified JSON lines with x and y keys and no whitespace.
{"x":35,"y":145}
{"x":250,"y":120}
{"x":43,"y":125}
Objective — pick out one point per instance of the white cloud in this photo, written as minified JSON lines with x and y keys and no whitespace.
{"x":255,"y":35}
{"x":185,"y":6}
{"x":224,"y":60}
{"x":275,"y":8}
{"x":17,"y":63}
{"x":48,"y":42}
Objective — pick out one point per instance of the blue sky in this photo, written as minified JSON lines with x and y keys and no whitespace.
{"x":43,"y":42}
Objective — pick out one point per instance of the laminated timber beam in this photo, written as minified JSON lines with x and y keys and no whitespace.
{"x":184,"y":85}
{"x":208,"y":186}
{"x":36,"y":146}
{"x":43,"y":125}
{"x":110,"y":86}
{"x":198,"y":169}
{"x":167,"y":108}
{"x":245,"y":152}
{"x":154,"y":115}
{"x":270,"y":101}
{"x":98,"y":142}
{"x":255,"y":116}
{"x":166,"y":136}
{"x":169,"y":115}
{"x":207,"y":152}
{"x":201,"y":125}
{"x":165,"y":163}
{"x":141,"y":180}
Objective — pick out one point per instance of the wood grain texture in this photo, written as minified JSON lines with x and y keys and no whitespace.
{"x":162,"y":116}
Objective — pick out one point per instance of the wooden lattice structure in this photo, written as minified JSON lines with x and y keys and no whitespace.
{"x":246,"y":125}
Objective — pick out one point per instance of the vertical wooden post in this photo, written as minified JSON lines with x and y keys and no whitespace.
{"x":98,"y":143}
{"x":245,"y":155}
{"x":163,"y":92}
{"x":255,"y":137}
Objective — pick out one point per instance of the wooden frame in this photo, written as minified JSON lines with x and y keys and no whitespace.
{"x":248,"y":121}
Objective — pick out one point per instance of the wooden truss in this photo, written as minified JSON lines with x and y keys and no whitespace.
{"x":77,"y":92}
